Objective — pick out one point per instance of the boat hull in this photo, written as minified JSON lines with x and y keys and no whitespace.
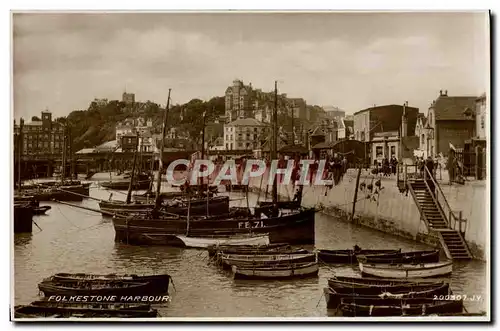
{"x":407,"y":270}
{"x":124,"y":185}
{"x":297,"y":229}
{"x":205,"y":242}
{"x":295,"y":271}
{"x":349,"y":256}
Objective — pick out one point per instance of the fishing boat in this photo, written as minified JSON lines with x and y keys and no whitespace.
{"x":295,"y":228}
{"x":159,"y":282}
{"x":407,"y":270}
{"x":124,"y":184}
{"x":229,"y":260}
{"x":354,"y":306}
{"x":205,"y":242}
{"x":49,"y":287}
{"x":39,"y":309}
{"x":296,"y":270}
{"x":215,"y":206}
{"x":348,"y":256}
{"x":404,"y":257}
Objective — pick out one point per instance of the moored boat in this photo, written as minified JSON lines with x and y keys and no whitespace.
{"x":40,"y":309}
{"x":293,"y":228}
{"x":248,"y":249}
{"x":229,"y":260}
{"x":205,"y":242}
{"x":159,"y":282}
{"x":93,"y":288}
{"x":407,"y":270}
{"x":369,"y":282}
{"x":348,"y":256}
{"x":124,"y":185}
{"x":398,"y":307}
{"x":298,"y":270}
{"x":334,"y":296}
{"x":404,"y":257}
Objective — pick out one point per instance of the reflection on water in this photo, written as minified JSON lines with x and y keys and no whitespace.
{"x":75,"y":240}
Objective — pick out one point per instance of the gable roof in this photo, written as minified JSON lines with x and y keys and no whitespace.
{"x":246,"y":122}
{"x":453,"y":108}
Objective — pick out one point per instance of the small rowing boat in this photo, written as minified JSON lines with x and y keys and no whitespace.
{"x":205,"y":242}
{"x":228,"y":260}
{"x":407,"y":270}
{"x":404,"y":257}
{"x":298,"y":270}
{"x":348,"y":256}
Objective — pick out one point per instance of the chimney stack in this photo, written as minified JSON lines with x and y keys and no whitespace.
{"x":440,"y":93}
{"x":446,"y":93}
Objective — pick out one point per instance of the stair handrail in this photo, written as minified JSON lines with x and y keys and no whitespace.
{"x":448,"y":213}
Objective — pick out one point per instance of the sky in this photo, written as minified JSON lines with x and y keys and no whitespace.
{"x":62,"y":61}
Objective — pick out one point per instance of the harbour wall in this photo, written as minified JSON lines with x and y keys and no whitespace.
{"x":386,"y":209}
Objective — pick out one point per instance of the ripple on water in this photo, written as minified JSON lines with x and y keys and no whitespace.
{"x":73,"y":240}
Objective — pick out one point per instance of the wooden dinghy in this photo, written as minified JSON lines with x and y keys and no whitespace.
{"x":118,"y":288}
{"x":298,"y":270}
{"x":424,"y":270}
{"x":370,"y":282}
{"x":405,"y":257}
{"x":398,"y":307}
{"x":247,"y":249}
{"x":39,"y":309}
{"x":159,"y":282}
{"x":205,"y":242}
{"x":244,"y":261}
{"x":348,"y":256}
{"x":334,"y":296}
{"x":376,"y":290}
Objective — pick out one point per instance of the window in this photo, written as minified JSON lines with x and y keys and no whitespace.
{"x":248,"y":136}
{"x":379,"y":151}
{"x":254,"y":129}
{"x":393,"y":150}
{"x":482,"y":121}
{"x":422,"y":140}
{"x":227,"y":146}
{"x":362,"y":136}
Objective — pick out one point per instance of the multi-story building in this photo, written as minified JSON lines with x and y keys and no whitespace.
{"x":239,"y":100}
{"x":481,"y":116}
{"x":128,"y":98}
{"x":245,"y":134}
{"x":243,"y":101}
{"x":451,"y":120}
{"x":43,"y":137}
{"x":381,"y":127}
{"x":132,"y":125}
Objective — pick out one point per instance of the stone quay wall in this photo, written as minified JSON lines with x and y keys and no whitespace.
{"x":386,"y":209}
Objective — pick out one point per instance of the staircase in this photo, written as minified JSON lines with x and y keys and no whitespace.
{"x":432,"y":213}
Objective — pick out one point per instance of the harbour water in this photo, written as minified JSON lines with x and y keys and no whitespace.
{"x":77,"y":240}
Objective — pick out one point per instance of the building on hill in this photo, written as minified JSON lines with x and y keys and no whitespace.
{"x":42,"y":137}
{"x":128,"y":98}
{"x":245,"y":134}
{"x":450,"y":120}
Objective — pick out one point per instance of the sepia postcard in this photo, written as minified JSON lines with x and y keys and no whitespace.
{"x":250,"y":166}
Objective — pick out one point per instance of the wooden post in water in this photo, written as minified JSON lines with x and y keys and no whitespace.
{"x":131,"y":184}
{"x":355,"y":194}
{"x":160,"y":168}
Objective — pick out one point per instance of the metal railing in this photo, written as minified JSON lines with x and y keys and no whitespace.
{"x":439,"y":198}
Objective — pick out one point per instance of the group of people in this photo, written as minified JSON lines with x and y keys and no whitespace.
{"x":387,"y":167}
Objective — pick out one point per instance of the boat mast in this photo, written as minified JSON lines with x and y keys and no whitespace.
{"x":63,"y":161}
{"x":20,"y":145}
{"x":71,"y":154}
{"x":162,"y":145}
{"x":131,"y":184}
{"x":274,"y":148}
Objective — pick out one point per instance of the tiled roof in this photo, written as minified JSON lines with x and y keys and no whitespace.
{"x":453,"y":108}
{"x":246,"y":122}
